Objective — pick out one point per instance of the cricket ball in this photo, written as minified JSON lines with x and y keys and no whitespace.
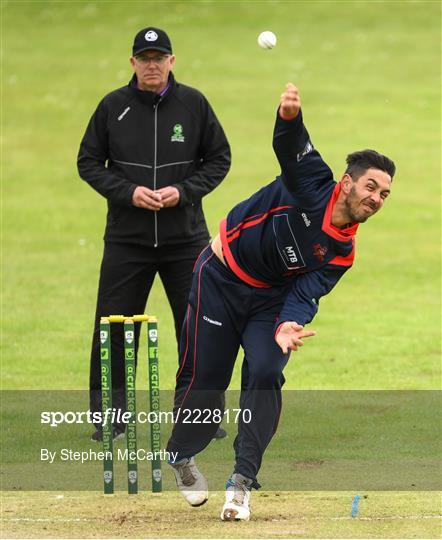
{"x":267,"y":40}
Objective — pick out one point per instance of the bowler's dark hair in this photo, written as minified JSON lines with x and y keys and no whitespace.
{"x":359,"y":162}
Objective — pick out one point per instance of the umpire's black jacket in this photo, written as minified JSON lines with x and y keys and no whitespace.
{"x":137,"y":138}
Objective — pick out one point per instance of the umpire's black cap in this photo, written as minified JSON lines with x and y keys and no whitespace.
{"x":151,"y":38}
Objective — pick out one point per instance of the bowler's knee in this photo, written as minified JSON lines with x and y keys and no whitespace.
{"x":267,"y":377}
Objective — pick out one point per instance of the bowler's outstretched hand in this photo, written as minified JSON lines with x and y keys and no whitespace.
{"x":290,"y":334}
{"x":290,"y":103}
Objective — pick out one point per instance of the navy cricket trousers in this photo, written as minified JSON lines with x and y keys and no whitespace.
{"x":223,"y":314}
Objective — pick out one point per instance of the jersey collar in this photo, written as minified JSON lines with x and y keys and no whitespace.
{"x":342,"y":235}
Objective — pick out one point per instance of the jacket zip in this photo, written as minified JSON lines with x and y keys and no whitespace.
{"x":155,"y":108}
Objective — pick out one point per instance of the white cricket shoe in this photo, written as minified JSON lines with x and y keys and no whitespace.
{"x":191,"y":483}
{"x":237,"y":505}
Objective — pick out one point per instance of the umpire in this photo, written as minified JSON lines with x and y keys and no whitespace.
{"x":153,"y":149}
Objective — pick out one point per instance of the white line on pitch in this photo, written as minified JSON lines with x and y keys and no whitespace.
{"x":304,"y":518}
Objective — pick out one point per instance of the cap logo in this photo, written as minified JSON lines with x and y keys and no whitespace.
{"x":151,"y":36}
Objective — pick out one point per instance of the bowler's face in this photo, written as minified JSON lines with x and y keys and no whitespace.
{"x":152,"y":69}
{"x":367,"y":195}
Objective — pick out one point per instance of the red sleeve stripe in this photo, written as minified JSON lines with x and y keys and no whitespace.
{"x":278,"y":329}
{"x":345,"y":261}
{"x":239,"y":272}
{"x":251,"y":221}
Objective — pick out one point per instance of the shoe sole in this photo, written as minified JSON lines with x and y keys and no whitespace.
{"x":230,"y":515}
{"x":199,"y":504}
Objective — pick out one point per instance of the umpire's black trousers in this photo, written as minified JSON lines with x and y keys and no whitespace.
{"x":126,"y":277}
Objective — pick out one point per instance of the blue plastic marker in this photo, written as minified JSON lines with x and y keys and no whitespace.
{"x":355,"y":506}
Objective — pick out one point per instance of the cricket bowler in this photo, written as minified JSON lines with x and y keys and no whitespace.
{"x":256,"y":286}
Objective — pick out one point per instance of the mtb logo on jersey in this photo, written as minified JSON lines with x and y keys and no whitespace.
{"x":291,"y":255}
{"x":286,"y":243}
{"x":178,"y":135}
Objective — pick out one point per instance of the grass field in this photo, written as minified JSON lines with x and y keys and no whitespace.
{"x":277,"y":515}
{"x":369,"y":75}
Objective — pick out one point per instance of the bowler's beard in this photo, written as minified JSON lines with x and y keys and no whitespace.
{"x":353,"y":207}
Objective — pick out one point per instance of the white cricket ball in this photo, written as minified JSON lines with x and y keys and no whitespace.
{"x":267,"y":40}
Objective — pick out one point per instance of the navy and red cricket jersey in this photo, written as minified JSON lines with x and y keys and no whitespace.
{"x":283,"y":233}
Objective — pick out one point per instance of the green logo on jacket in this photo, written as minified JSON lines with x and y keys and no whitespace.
{"x":177,"y":133}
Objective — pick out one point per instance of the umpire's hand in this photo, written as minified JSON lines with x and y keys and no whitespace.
{"x":144,"y":197}
{"x":290,"y":103}
{"x":289,"y":335}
